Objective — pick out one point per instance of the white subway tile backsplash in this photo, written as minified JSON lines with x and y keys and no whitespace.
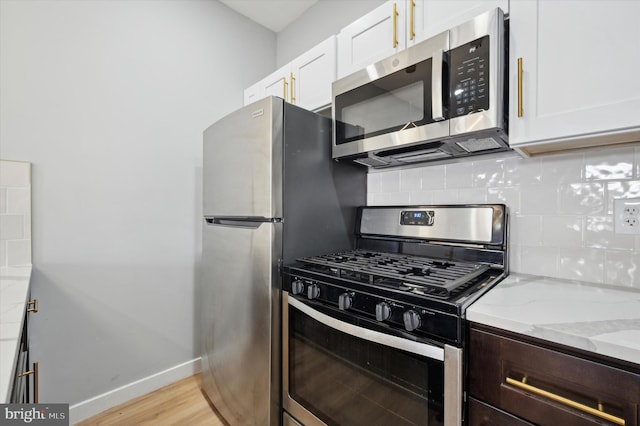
{"x":508,"y":196}
{"x":18,"y":252}
{"x":562,"y":168}
{"x":525,"y":230}
{"x":18,"y":200}
{"x":11,"y":227}
{"x":445,"y":196}
{"x":472,"y":196}
{"x":488,"y":173}
{"x":538,"y":261}
{"x":373,"y":183}
{"x":560,"y":207}
{"x":562,"y":231}
{"x":583,"y":264}
{"x":622,"y":268}
{"x":15,"y":173}
{"x":540,"y":199}
{"x":3,"y":253}
{"x":581,"y":198}
{"x":15,"y":213}
{"x":623,"y":189}
{"x":390,"y":181}
{"x":458,"y":175}
{"x":410,"y":180}
{"x":599,"y":233}
{"x":422,"y":197}
{"x":3,"y":200}
{"x":612,"y":164}
{"x":433,"y":178}
{"x":522,"y":171}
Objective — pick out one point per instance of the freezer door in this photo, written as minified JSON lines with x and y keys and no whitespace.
{"x":240,"y":303}
{"x":242,"y":162}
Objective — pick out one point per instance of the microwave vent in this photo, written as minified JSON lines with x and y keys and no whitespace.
{"x":372,"y":162}
{"x":477,"y":145}
{"x":422,"y":156}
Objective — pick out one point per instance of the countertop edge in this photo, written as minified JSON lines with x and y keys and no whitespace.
{"x":15,"y":285}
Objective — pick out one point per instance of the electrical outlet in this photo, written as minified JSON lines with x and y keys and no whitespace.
{"x":626,"y":215}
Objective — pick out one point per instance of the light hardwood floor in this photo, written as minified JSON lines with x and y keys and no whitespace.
{"x":181,"y":403}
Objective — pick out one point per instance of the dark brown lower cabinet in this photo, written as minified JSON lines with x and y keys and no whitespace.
{"x":523,"y":381}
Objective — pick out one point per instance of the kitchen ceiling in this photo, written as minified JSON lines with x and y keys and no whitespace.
{"x":273,"y":14}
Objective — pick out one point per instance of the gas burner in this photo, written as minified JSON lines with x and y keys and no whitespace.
{"x":412,"y":274}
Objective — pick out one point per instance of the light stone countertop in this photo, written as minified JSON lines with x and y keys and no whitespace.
{"x":14,"y":290}
{"x":597,"y":318}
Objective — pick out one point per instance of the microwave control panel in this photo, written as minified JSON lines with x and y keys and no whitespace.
{"x":469,"y":78}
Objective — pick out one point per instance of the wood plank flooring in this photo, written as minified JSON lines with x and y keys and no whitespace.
{"x":181,"y":403}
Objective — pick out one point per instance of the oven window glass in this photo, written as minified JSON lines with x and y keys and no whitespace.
{"x":388,"y":104}
{"x":344,"y":380}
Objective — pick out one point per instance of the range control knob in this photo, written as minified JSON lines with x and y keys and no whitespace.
{"x":313,"y":291}
{"x":297,"y":287}
{"x":412,"y":320}
{"x":345,"y":300}
{"x":383,"y":311}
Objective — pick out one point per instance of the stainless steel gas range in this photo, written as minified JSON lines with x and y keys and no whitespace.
{"x":377,"y":336}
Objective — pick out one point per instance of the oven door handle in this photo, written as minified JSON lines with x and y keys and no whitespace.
{"x":423,"y":349}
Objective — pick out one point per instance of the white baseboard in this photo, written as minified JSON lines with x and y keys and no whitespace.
{"x":85,"y":409}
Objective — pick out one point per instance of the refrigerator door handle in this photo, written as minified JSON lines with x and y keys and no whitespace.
{"x":248,"y":222}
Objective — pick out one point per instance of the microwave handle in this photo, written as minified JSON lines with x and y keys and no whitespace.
{"x":407,"y":345}
{"x":437,"y":109}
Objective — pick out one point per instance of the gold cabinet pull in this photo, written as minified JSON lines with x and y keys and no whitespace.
{"x":395,"y":25}
{"x":35,"y":380}
{"x":292,"y":80}
{"x":32,"y":305}
{"x":284,"y":88}
{"x":566,"y":401}
{"x":412,"y":33}
{"x":520,"y":87}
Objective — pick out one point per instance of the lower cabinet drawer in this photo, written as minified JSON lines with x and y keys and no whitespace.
{"x":481,"y":414}
{"x":547,"y":387}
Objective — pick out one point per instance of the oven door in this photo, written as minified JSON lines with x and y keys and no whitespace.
{"x":338,"y":373}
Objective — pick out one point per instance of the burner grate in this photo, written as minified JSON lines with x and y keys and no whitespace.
{"x":415,"y":274}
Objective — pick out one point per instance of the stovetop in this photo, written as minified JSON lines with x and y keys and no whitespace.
{"x":412,"y":274}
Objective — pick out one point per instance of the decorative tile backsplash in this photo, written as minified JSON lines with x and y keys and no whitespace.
{"x":15,"y":213}
{"x":561,"y":207}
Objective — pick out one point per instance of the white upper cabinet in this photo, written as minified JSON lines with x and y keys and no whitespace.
{"x":312,"y":74}
{"x":253,"y":93}
{"x":579,"y":78}
{"x":378,"y":34}
{"x":305,"y":81}
{"x":277,"y":83}
{"x":427,"y":18}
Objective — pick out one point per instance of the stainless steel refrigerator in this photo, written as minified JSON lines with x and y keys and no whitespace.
{"x":271,"y":194}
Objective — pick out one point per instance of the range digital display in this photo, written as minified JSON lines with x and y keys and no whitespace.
{"x":417,"y":217}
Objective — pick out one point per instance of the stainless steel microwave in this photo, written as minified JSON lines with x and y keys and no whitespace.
{"x":443,"y":98}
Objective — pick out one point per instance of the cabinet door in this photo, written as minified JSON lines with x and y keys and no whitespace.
{"x":312,"y":74}
{"x":580,"y":71}
{"x":431,"y":17}
{"x":372,"y":37}
{"x":253,"y":93}
{"x":277,"y":83}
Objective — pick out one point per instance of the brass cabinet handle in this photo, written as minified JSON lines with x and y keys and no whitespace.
{"x":284,"y":88}
{"x":412,"y":33}
{"x":35,"y":380}
{"x":292,"y":80}
{"x":519,"y":87}
{"x":566,"y":401}
{"x":32,"y":305}
{"x":395,"y":25}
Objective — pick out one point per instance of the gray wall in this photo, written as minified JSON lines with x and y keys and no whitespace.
{"x":108,"y":100}
{"x":320,"y":21}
